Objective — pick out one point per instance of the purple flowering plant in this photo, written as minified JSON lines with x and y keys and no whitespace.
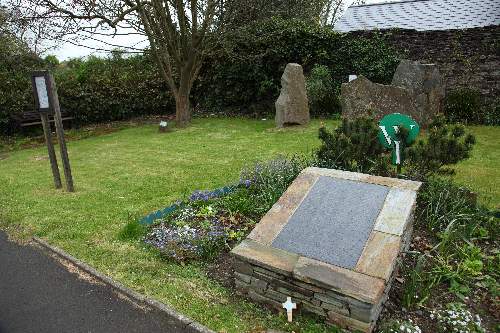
{"x":196,"y":231}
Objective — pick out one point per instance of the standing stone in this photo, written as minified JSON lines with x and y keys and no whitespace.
{"x":361,"y":97}
{"x":426,"y":84}
{"x":416,"y":90}
{"x":292,"y":106}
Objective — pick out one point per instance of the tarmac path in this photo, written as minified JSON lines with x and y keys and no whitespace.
{"x":40,"y":293}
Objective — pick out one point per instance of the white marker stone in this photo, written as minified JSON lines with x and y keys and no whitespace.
{"x":289,"y":306}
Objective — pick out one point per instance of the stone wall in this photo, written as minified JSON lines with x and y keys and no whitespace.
{"x":271,"y":287}
{"x":466,"y":58}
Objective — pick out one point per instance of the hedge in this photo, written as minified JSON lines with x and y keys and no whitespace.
{"x":16,"y":64}
{"x":243,"y":73}
{"x":92,"y":90}
{"x":115,"y":88}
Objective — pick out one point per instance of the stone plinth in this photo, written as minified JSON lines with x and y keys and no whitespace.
{"x":331,"y":243}
{"x":292,"y":106}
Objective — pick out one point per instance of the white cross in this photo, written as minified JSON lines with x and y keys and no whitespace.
{"x":289,"y":306}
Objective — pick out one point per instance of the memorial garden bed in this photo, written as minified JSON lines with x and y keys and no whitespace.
{"x":264,"y":282}
{"x":124,"y":175}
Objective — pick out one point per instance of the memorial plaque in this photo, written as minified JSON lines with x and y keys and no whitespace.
{"x":334,"y":221}
{"x":331,"y":244}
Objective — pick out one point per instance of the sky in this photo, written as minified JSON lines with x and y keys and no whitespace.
{"x":67,"y":49}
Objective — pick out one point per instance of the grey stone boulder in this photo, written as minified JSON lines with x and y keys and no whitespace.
{"x":416,"y":90}
{"x":292,"y":106}
{"x":426,"y":84}
{"x":361,"y":97}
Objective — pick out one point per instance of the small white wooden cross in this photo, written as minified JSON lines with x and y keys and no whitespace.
{"x":289,"y":306}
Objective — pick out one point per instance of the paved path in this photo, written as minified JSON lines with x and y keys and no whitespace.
{"x":38,"y":294}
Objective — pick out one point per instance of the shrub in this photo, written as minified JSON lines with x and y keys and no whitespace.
{"x":16,"y":64}
{"x":463,"y":105}
{"x":246,"y":70}
{"x":91,"y":90}
{"x":444,"y":146}
{"x":322,"y":95}
{"x":353,"y":146}
{"x":114,"y":88}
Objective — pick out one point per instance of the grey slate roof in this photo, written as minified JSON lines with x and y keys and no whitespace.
{"x":421,"y":15}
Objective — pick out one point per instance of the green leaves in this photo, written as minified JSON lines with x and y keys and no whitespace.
{"x":463,"y":105}
{"x":321,"y":92}
{"x":353,"y":146}
{"x":444,"y":146}
{"x":247,"y":68}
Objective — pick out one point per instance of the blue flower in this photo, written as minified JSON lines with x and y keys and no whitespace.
{"x":246,"y":182}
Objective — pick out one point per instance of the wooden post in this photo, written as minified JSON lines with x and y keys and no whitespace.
{"x":50,"y":149}
{"x":54,"y":101}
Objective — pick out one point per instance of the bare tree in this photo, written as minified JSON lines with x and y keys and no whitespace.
{"x":177,"y":31}
{"x":333,"y":10}
{"x":12,"y":26}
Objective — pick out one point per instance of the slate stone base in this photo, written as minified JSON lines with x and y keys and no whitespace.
{"x":271,"y":288}
{"x":349,"y":296}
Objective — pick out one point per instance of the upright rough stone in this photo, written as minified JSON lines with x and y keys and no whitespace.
{"x":426,"y":84}
{"x":361,"y":97}
{"x":416,"y":90}
{"x":292,"y":106}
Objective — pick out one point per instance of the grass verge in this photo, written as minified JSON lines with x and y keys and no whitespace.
{"x":137,"y":170}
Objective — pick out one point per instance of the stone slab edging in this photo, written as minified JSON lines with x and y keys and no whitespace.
{"x":190,"y":325}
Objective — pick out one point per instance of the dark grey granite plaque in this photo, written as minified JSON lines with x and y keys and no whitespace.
{"x":333,"y":222}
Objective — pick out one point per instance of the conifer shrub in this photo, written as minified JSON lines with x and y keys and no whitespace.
{"x":445,"y":145}
{"x":354,"y":146}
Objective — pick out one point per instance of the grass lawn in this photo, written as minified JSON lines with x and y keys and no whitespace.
{"x":482,"y":171}
{"x":134,"y":171}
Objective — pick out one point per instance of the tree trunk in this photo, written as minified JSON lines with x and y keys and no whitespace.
{"x":182,"y":109}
